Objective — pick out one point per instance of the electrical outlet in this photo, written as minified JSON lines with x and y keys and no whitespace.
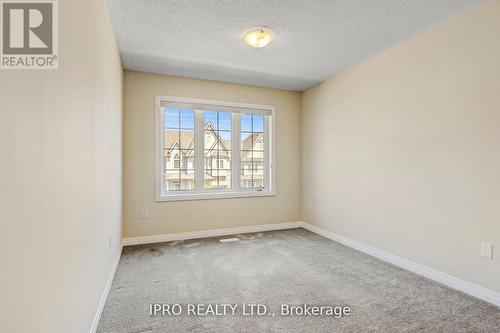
{"x":486,"y":250}
{"x":144,"y":214}
{"x":309,"y":205}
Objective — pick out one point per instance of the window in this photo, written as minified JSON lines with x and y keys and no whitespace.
{"x":211,"y":149}
{"x":217,"y":127}
{"x":177,"y":162}
{"x":178,"y":134}
{"x":252,"y":151}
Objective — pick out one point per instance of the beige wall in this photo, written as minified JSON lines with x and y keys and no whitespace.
{"x":402,"y":152}
{"x":60,"y":178}
{"x":181,"y":216}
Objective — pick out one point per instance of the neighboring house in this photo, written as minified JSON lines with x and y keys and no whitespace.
{"x":179,"y":160}
{"x":252,"y":160}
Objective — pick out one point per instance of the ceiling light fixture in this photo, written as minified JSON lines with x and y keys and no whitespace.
{"x":258,"y":37}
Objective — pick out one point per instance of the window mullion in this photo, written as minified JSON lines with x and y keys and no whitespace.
{"x":235,"y":151}
{"x":160,"y":146}
{"x":267,"y":154}
{"x":199,"y":159}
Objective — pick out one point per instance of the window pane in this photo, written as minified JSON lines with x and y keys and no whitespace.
{"x":217,"y":165}
{"x":187,"y":119}
{"x":258,"y":156}
{"x":224,"y":159}
{"x":210,"y":160}
{"x":211,"y":181}
{"x":187,"y":179}
{"x":251,"y":178}
{"x":258,"y":141}
{"x":246,"y":156}
{"x":252,"y":151}
{"x":186,"y":138}
{"x":211,"y":153}
{"x":258,"y":165}
{"x":210,"y":120}
{"x":179,"y":149}
{"x":250,"y":156}
{"x":258,"y":123}
{"x":173,"y":160}
{"x":224,"y":121}
{"x":171,"y":139}
{"x":172,"y":182}
{"x":246,"y":180}
{"x":186,"y":159}
{"x":246,"y":122}
{"x":258,"y":182}
{"x":225,"y":140}
{"x":175,"y":140}
{"x":177,"y":161}
{"x":210,"y":139}
{"x":246,"y":141}
{"x":252,"y":141}
{"x":248,"y":168}
{"x":224,"y":178}
{"x":217,"y":144}
{"x":171,"y":117}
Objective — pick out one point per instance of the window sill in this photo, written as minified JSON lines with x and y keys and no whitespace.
{"x":213,"y":195}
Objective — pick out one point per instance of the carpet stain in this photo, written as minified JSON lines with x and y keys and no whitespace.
{"x":156,"y":251}
{"x":191,"y":245}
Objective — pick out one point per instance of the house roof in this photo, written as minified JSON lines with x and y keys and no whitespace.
{"x":251,"y":140}
{"x":179,"y":139}
{"x":184,"y":140}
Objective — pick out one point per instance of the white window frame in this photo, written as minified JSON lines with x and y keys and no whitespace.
{"x":235,"y":191}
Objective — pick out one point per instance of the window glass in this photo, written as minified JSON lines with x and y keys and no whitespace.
{"x":231,"y":145}
{"x":217,"y":150}
{"x":178,"y":143}
{"x":252,"y":151}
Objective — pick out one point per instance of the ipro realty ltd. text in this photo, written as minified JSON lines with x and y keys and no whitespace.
{"x":251,"y":309}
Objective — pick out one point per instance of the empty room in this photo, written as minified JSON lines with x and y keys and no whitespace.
{"x":249,"y":166}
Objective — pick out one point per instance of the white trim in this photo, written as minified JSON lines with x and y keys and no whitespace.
{"x":159,"y":137}
{"x":221,"y":194}
{"x":430,"y":273}
{"x":268,"y":170}
{"x":199,"y":156}
{"x":200,"y":193}
{"x":208,"y":233}
{"x":236,"y":152}
{"x":199,"y":101}
{"x":105,"y":293}
{"x":273,"y":180}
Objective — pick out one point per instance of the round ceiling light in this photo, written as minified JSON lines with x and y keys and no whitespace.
{"x":258,"y":37}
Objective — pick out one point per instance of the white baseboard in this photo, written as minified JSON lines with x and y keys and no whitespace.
{"x":430,"y":273}
{"x":105,"y":293}
{"x":208,"y":233}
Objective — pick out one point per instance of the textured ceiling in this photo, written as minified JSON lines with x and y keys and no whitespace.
{"x":314,"y":39}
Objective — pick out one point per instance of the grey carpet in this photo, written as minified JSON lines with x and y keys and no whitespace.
{"x":290,"y":266}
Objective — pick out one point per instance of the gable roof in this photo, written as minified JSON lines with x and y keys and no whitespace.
{"x":184,"y":139}
{"x":251,"y":140}
{"x":174,"y":139}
